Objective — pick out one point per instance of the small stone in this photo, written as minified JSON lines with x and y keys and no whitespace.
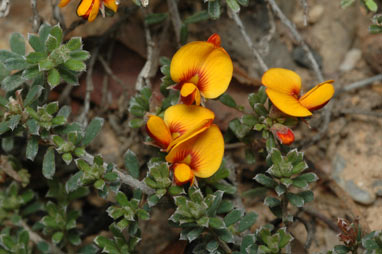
{"x":372,"y":51}
{"x":358,"y":194}
{"x":351,"y":59}
{"x":377,"y":184}
{"x":315,"y":13}
{"x":302,"y":59}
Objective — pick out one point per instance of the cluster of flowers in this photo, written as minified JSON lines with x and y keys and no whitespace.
{"x":194,"y":145}
{"x":88,"y":9}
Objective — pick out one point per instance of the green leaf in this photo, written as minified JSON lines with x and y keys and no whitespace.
{"x":211,"y":211}
{"x":57,"y":237}
{"x":155,"y":18}
{"x":67,"y":157}
{"x":217,"y":223}
{"x":243,"y":2}
{"x":143,"y":215}
{"x":239,"y":129}
{"x":375,"y":29}
{"x":107,"y":245}
{"x":194,"y":233}
{"x":265,"y":180}
{"x":225,"y":207}
{"x":75,"y":65}
{"x":227,"y":100}
{"x":285,"y":237}
{"x":56,"y":31}
{"x":197,"y":17}
{"x":92,"y":130}
{"x":33,"y":94}
{"x":17,"y":43}
{"x":183,"y":34}
{"x":12,"y":82}
{"x":214,"y":9}
{"x":51,"y":43}
{"x":233,"y":5}
{"x":225,"y":235}
{"x":80,"y":55}
{"x":53,"y":78}
{"x":233,"y":217}
{"x":75,"y":43}
{"x":44,"y":32}
{"x":45,"y":65}
{"x":16,"y":64}
{"x":272,"y":202}
{"x":295,"y":199}
{"x":49,"y":165}
{"x":247,"y":221}
{"x":7,"y":143}
{"x":371,"y":5}
{"x":136,"y":123}
{"x":35,"y":57}
{"x":74,"y":182}
{"x":99,"y":184}
{"x":346,"y":3}
{"x":36,"y":43}
{"x":32,"y":147}
{"x":52,"y":107}
{"x":122,"y":199}
{"x":68,"y":76}
{"x":308,"y":196}
{"x":14,"y":121}
{"x":341,"y":249}
{"x":3,"y":71}
{"x":132,"y":164}
{"x":308,"y":177}
{"x":212,"y":246}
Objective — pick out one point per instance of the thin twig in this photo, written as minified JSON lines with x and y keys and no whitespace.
{"x":175,"y":18}
{"x":64,"y":97}
{"x":57,"y":14}
{"x":305,"y":6}
{"x":234,"y":145}
{"x":89,"y":86}
{"x":323,"y":218}
{"x":248,"y":40}
{"x":36,"y":17}
{"x":109,"y":71}
{"x":298,"y":37}
{"x":359,"y":84}
{"x":7,"y":168}
{"x":125,"y":179}
{"x":36,"y":238}
{"x":74,"y":25}
{"x":310,"y":230}
{"x":105,"y":81}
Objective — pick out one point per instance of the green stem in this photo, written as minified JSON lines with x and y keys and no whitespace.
{"x":284,"y":217}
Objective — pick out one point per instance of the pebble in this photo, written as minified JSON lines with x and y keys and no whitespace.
{"x":339,"y":164}
{"x":301,"y":58}
{"x":352,"y":57}
{"x":377,"y":184}
{"x":314,"y":15}
{"x":359,"y":195}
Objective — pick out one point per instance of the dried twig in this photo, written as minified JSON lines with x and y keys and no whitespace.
{"x":310,"y":229}
{"x":323,"y":218}
{"x":36,"y":238}
{"x":74,"y":25}
{"x":57,"y":14}
{"x":125,"y":179}
{"x":36,"y":17}
{"x":109,"y":71}
{"x":359,"y":84}
{"x":105,"y":81}
{"x":175,"y":18}
{"x":298,"y":38}
{"x":305,"y":6}
{"x":248,"y":40}
{"x":7,"y":168}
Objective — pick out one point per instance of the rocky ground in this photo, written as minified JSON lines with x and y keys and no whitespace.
{"x":350,"y":153}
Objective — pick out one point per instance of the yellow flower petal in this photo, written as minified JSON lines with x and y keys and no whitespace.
{"x":94,"y":9}
{"x":287,"y":103}
{"x":205,"y":151}
{"x":158,"y":130}
{"x":318,"y":96}
{"x":111,"y":4}
{"x":84,"y":7}
{"x":183,"y":174}
{"x":210,"y":64}
{"x":63,"y":3}
{"x":188,"y":59}
{"x":189,"y":94}
{"x":188,"y":121}
{"x":216,"y":74}
{"x":282,"y":80}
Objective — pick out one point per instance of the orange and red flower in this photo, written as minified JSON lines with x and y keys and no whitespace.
{"x":283,"y":134}
{"x":181,"y":122}
{"x":201,"y":68}
{"x":89,"y":9}
{"x":283,"y":89}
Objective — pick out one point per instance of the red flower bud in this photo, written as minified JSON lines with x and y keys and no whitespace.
{"x":283,"y":134}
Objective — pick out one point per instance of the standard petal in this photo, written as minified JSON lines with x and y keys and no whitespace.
{"x":111,"y":4}
{"x":287,"y":103}
{"x":183,"y":174}
{"x":203,"y":153}
{"x":215,"y":74}
{"x":83,"y":8}
{"x":186,"y":121}
{"x":94,"y":9}
{"x":282,"y":80}
{"x":63,"y":3}
{"x":187,"y":61}
{"x":318,"y":96}
{"x":158,"y":130}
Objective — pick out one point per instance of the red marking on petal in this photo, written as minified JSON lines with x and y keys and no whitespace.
{"x":215,"y":39}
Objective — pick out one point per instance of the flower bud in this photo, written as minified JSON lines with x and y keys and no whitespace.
{"x":283,"y":134}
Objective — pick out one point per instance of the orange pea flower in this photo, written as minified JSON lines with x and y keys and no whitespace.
{"x":283,"y":134}
{"x":201,"y":68}
{"x":180,"y":123}
{"x":199,"y":156}
{"x":283,"y":89}
{"x":88,"y":9}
